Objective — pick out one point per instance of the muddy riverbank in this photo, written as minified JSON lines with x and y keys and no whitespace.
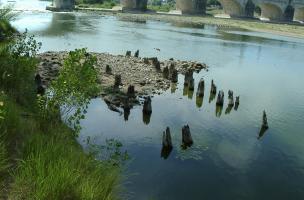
{"x":149,"y":76}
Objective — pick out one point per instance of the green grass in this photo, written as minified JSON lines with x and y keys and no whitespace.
{"x":162,"y":8}
{"x":105,"y":4}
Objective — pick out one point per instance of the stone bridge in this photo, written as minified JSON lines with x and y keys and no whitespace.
{"x":270,"y":9}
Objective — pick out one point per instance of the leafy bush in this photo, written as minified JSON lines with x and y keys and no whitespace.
{"x":73,"y":89}
{"x":18,"y":67}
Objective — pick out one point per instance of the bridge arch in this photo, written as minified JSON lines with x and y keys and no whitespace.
{"x":271,"y":11}
{"x":232,"y":8}
{"x":249,"y":9}
{"x":299,"y":14}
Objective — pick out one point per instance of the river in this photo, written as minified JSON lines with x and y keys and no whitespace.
{"x":228,"y":159}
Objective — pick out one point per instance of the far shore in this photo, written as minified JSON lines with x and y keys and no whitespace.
{"x":292,"y":29}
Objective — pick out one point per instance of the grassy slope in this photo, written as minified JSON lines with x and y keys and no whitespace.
{"x":50,"y":163}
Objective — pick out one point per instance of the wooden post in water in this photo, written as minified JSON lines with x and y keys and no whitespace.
{"x":186,"y":136}
{"x":201,"y":88}
{"x":220,"y":98}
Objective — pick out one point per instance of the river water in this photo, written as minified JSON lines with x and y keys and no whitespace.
{"x":228,"y":159}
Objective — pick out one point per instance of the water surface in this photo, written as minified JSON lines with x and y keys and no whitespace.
{"x":228,"y":160}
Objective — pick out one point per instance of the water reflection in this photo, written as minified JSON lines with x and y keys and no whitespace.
{"x":262,"y":132}
{"x":173,"y":87}
{"x":199,"y":101}
{"x":146,"y":117}
{"x":218,"y":110}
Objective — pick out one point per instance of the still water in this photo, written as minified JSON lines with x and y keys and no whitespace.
{"x":228,"y":160}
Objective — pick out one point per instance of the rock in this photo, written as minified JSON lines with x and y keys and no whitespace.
{"x":131,"y":91}
{"x":108,"y":69}
{"x":136,"y":54}
{"x":128,"y":53}
{"x":213,"y":88}
{"x":220,"y":98}
{"x":200,"y":88}
{"x":171,"y":59}
{"x":166,"y":72}
{"x":230,"y":98}
{"x":147,"y":108}
{"x":265,"y":123}
{"x":186,"y":136}
{"x":167,"y":142}
{"x":174,"y":76}
{"x":117,"y":81}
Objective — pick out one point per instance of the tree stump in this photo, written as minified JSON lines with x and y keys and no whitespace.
{"x":131,"y":91}
{"x":220,"y":98}
{"x":174,"y":76}
{"x":117,"y":81}
{"x":166,"y":72}
{"x":213,"y":88}
{"x":136,"y":54}
{"x":147,"y":108}
{"x":186,"y":136}
{"x":108,"y":69}
{"x":201,"y":88}
{"x":167,"y":142}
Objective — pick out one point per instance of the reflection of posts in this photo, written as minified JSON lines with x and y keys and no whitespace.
{"x":237,"y":103}
{"x":186,"y":137}
{"x":166,"y":72}
{"x":218,"y":110}
{"x":201,"y":88}
{"x":117,"y":81}
{"x":173,"y":87}
{"x":220,"y":98}
{"x":127,"y":108}
{"x":230,"y":102}
{"x":167,"y":144}
{"x":147,"y":110}
{"x":199,"y":101}
{"x":212,"y":92}
{"x":185,"y":90}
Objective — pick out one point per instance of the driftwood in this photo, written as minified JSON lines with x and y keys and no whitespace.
{"x":220,"y":98}
{"x":186,"y":136}
{"x":201,"y":88}
{"x":147,"y":108}
{"x":136,"y":54}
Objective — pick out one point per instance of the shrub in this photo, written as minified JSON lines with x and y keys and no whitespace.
{"x":72,"y":90}
{"x":18,"y":67}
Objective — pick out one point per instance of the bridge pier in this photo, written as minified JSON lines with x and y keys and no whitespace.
{"x":134,"y":4}
{"x":191,"y":6}
{"x":238,"y":8}
{"x":64,"y":4}
{"x":299,"y":14}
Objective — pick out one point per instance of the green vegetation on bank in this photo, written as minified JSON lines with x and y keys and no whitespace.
{"x":40,"y":157}
{"x":96,"y":3}
{"x":6,"y":29}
